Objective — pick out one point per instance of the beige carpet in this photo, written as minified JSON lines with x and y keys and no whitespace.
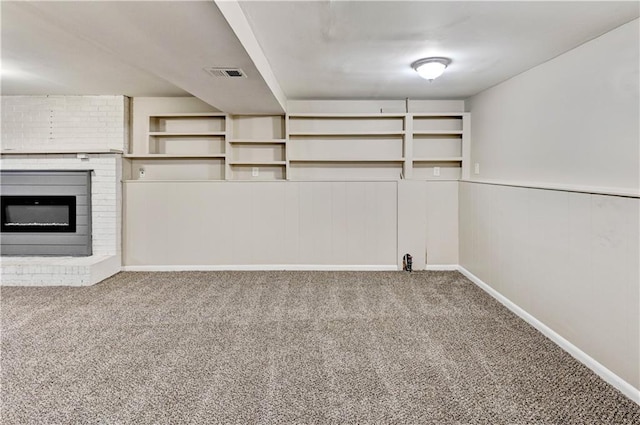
{"x":287,"y":348}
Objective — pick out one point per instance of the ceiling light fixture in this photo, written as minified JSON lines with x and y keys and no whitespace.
{"x":430,"y":68}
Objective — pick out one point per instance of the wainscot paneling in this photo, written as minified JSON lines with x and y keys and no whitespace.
{"x":260,"y":223}
{"x":571,"y":260}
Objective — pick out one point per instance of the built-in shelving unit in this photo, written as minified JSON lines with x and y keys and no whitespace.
{"x":304,"y":146}
{"x":346,"y":146}
{"x":257,"y":148}
{"x":180,"y":146}
{"x":438,"y":146}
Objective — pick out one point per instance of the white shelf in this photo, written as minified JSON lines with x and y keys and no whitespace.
{"x":171,"y":156}
{"x":149,"y":181}
{"x":190,"y":115}
{"x":442,"y":159}
{"x":346,"y":160}
{"x":438,"y":133}
{"x":258,"y":141}
{"x":258,"y":163}
{"x":354,"y":115}
{"x":436,"y":114}
{"x":347,"y":133}
{"x":58,"y":151}
{"x":185,"y":134}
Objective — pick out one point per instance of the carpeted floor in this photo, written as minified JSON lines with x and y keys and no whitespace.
{"x":287,"y":348}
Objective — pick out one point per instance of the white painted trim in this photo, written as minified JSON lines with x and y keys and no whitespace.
{"x":105,"y":269}
{"x":268,"y":267}
{"x":623,"y":386}
{"x":609,"y":191}
{"x":442,"y":267}
{"x":261,"y":267}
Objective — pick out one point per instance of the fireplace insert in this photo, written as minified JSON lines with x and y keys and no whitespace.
{"x":45,"y":213}
{"x":38,"y":214}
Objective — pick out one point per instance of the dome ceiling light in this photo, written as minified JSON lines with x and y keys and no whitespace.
{"x":431,"y":68}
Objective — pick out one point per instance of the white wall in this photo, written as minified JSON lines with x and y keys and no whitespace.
{"x":572,"y":260}
{"x":54,"y":123}
{"x":572,"y":120}
{"x":373,"y":106}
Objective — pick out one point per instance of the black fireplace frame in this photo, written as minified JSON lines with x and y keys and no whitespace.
{"x":68,"y":201}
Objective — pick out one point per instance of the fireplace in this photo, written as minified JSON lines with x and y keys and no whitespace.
{"x":46,"y":213}
{"x":42,"y":213}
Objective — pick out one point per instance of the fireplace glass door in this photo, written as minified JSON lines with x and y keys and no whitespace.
{"x":38,"y":214}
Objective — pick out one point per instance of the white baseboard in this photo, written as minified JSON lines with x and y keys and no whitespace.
{"x":623,"y":386}
{"x":104,"y":269}
{"x":261,"y":267}
{"x":269,"y":267}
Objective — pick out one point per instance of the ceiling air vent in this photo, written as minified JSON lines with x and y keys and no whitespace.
{"x":226,"y":72}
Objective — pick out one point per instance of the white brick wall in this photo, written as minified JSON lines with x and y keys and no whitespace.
{"x":70,"y":123}
{"x":64,"y":122}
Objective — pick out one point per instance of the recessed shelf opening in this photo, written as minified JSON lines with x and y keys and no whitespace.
{"x":215,"y":146}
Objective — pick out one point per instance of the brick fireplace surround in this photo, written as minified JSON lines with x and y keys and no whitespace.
{"x":69,"y":133}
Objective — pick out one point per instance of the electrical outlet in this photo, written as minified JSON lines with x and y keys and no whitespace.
{"x":436,"y":171}
{"x":255,"y":172}
{"x":141,"y":172}
{"x":476,"y":168}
